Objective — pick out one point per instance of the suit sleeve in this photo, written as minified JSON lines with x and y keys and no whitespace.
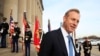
{"x":7,"y":26}
{"x":19,"y":31}
{"x":30,"y":35}
{"x":46,"y":46}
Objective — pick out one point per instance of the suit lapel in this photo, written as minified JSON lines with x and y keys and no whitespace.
{"x":62,"y":42}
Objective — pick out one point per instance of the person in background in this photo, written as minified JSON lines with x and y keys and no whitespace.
{"x":87,"y":47}
{"x":0,"y":34}
{"x":59,"y":42}
{"x":0,"y":39}
{"x":99,"y":46}
{"x":4,"y":31}
{"x":41,"y":33}
{"x":27,"y":41}
{"x":15,"y":38}
{"x":78,"y":47}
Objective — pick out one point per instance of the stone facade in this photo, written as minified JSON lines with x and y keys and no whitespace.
{"x":31,"y":7}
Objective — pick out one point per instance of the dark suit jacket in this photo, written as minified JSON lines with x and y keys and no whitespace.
{"x":29,"y":34}
{"x":17,"y":31}
{"x":5,"y":27}
{"x":87,"y":46}
{"x":53,"y":44}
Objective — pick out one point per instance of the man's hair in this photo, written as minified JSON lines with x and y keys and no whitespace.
{"x":75,"y":10}
{"x":4,"y":18}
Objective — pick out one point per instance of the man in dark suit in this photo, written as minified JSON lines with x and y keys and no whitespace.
{"x":4,"y":31}
{"x":15,"y":38}
{"x":87,"y":47}
{"x":56,"y":43}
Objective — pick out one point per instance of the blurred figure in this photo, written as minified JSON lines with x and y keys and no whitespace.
{"x":4,"y":31}
{"x":99,"y":46}
{"x":0,"y":39}
{"x":15,"y":38}
{"x":87,"y":47}
{"x":78,"y":47}
{"x":27,"y":41}
{"x":41,"y":33}
{"x":0,"y":34}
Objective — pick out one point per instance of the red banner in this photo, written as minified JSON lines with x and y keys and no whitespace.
{"x":36,"y":34}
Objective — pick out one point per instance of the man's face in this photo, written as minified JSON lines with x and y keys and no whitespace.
{"x":27,"y":29}
{"x":71,"y":21}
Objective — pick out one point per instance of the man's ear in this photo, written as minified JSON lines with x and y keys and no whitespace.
{"x":64,"y":18}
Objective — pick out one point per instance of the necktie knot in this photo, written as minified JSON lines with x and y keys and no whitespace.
{"x":69,"y":38}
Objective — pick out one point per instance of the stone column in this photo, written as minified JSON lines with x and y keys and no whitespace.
{"x":8,"y":5}
{"x":21,"y":9}
{"x":29,"y":12}
{"x":38,"y":11}
{"x":1,"y":9}
{"x":33,"y":10}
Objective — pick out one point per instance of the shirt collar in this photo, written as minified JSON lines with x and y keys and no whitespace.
{"x":16,"y":26}
{"x":4,"y":22}
{"x":64,"y":32}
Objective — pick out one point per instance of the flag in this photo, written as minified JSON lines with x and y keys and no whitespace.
{"x":36,"y":34}
{"x":11,"y":24}
{"x":25,"y":24}
{"x":11,"y":28}
{"x":49,"y":26}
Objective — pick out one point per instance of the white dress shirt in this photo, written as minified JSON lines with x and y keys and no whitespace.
{"x":65,"y":34}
